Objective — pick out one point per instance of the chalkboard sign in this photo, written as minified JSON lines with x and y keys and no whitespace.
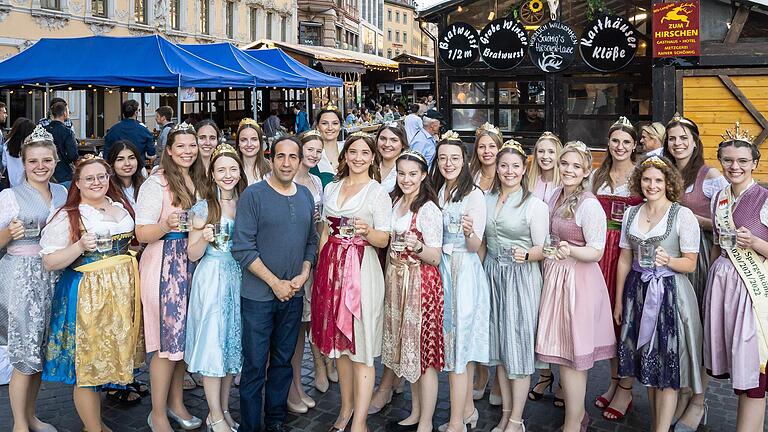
{"x":553,"y":46}
{"x":457,"y":45}
{"x":608,"y":43}
{"x":503,"y":43}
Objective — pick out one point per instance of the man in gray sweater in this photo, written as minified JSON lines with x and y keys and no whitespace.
{"x":275,"y":242}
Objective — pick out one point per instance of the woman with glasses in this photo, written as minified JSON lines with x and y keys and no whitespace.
{"x":701,"y":182}
{"x":466,"y":324}
{"x":735,"y":301}
{"x":26,"y":288}
{"x":610,"y":183}
{"x":162,"y":221}
{"x":93,"y":340}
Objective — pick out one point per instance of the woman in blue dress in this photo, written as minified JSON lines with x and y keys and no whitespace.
{"x":466,"y":326}
{"x":213,"y":323}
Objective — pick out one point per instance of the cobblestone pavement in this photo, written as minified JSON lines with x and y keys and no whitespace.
{"x":55,"y":406}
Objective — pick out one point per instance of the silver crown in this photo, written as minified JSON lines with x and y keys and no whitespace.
{"x":39,"y":134}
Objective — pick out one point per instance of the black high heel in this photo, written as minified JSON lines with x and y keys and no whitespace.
{"x":559,"y":402}
{"x":549,"y":380}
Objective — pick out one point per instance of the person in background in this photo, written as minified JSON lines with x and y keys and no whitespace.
{"x":425,"y":139}
{"x":275,"y":242}
{"x":302,"y":118}
{"x":163,"y":117}
{"x":531,"y":121}
{"x":351,"y":117}
{"x":652,"y":139}
{"x":272,"y":124}
{"x":387,"y":114}
{"x":66,"y":146}
{"x":377,"y":116}
{"x":21,"y":129}
{"x":47,"y":120}
{"x":130,"y":129}
{"x":412,"y":122}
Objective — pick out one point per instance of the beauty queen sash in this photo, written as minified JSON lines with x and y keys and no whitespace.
{"x":751,"y":270}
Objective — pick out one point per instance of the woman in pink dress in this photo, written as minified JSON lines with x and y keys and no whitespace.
{"x":575,"y":321}
{"x":610,"y":183}
{"x":166,"y":272}
{"x":543,"y":176}
{"x":735,"y":322}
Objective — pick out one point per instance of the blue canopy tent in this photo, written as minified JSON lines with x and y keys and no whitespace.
{"x":146,"y":61}
{"x":279,"y":59}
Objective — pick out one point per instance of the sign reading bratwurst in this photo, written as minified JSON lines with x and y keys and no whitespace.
{"x":553,"y":46}
{"x":608,"y":43}
{"x":503,"y":43}
{"x":457,"y":45}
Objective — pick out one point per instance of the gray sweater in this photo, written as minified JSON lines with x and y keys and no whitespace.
{"x":278,"y":229}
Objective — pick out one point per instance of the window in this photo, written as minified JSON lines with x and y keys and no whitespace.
{"x":310,"y":33}
{"x":139,"y":11}
{"x":405,"y":37}
{"x":397,"y":16}
{"x":405,"y":17}
{"x":269,"y":25}
{"x":389,"y":53}
{"x":254,"y":18}
{"x":389,"y":15}
{"x":397,"y":36}
{"x":204,"y":11}
{"x":389,"y":35}
{"x":230,"y":24}
{"x":175,"y":14}
{"x":50,"y":4}
{"x":284,"y":29}
{"x":99,"y":8}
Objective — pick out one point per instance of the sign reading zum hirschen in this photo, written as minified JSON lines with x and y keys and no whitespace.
{"x":608,"y":43}
{"x":553,"y":46}
{"x":676,"y":29}
{"x":457,"y":45}
{"x":503,"y":43}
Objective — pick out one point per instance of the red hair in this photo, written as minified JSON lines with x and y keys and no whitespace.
{"x":72,"y":205}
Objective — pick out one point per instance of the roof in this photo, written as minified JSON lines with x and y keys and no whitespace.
{"x":279,"y":59}
{"x":329,"y":54}
{"x":413,"y":58}
{"x":143,"y":61}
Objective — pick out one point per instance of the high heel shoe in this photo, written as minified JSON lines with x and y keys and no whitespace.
{"x":478,"y":394}
{"x":602,"y":402}
{"x":210,"y":424}
{"x":149,"y":422}
{"x":471,"y":421}
{"x":189,"y":424}
{"x":518,"y":423}
{"x":331,"y":372}
{"x":233,"y":424}
{"x":335,"y":428}
{"x":494,"y":400}
{"x":504,"y":414}
{"x":308,"y":401}
{"x":321,"y":379}
{"x":547,"y":381}
{"x":373,"y":408}
{"x":296,"y":408}
{"x":618,"y":416}
{"x":682,"y":427}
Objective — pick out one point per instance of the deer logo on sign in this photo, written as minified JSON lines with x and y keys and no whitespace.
{"x":675,"y":15}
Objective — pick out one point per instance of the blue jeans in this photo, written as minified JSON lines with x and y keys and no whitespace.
{"x":270,"y":329}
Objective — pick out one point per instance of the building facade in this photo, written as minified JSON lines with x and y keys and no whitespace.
{"x":402,"y":34}
{"x":329,"y":23}
{"x":371,"y":26}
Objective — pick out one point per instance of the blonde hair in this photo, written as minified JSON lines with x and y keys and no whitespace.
{"x":474,"y":160}
{"x":569,"y":205}
{"x":534,"y":171}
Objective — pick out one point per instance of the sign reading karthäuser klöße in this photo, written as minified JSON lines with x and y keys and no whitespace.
{"x":676,"y":29}
{"x":608,"y":43}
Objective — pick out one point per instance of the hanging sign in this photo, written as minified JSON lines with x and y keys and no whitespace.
{"x":553,"y":46}
{"x":608,"y":43}
{"x":503,"y":43}
{"x":676,"y":29}
{"x":457,"y":45}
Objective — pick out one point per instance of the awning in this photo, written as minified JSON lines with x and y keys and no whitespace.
{"x":144,"y":61}
{"x":323,"y":54}
{"x":339,"y":67}
{"x":275,"y":57}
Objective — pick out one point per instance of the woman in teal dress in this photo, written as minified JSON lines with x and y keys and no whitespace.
{"x":213,"y":323}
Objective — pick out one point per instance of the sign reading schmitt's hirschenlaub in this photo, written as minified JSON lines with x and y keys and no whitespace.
{"x":608,"y":43}
{"x":457,"y":45}
{"x":553,"y":46}
{"x":503,"y":43}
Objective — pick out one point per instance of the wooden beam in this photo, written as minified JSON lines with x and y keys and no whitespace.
{"x":761,"y":120}
{"x":737,"y":24}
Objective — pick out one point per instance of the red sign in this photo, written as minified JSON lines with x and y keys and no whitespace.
{"x":676,"y":29}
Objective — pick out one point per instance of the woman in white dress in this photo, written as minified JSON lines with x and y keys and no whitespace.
{"x":543,"y":175}
{"x":348,"y":290}
{"x":328,"y":121}
{"x":482,"y":166}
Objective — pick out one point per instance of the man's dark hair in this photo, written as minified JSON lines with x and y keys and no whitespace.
{"x":166,"y":112}
{"x":58,"y":109}
{"x":286,"y":138}
{"x":414,"y":108}
{"x":56,"y":100}
{"x":299,"y":106}
{"x":129,"y":108}
{"x":2,"y":105}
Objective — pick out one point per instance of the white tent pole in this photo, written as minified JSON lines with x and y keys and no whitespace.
{"x":178,"y":105}
{"x":255,"y":102}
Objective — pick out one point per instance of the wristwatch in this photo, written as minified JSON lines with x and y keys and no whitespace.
{"x":471,"y":234}
{"x":420,"y":249}
{"x":526,"y":257}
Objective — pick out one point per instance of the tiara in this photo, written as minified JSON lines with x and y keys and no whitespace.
{"x":623,"y":122}
{"x":361,"y":134}
{"x":222,"y":149}
{"x":677,"y":118}
{"x":514,"y":145}
{"x":87,"y":157}
{"x":655,"y":161}
{"x":578,"y":145}
{"x":312,"y":132}
{"x":415,"y":154}
{"x":39,"y":134}
{"x":487,"y":127}
{"x":183,"y":127}
{"x":248,"y":122}
{"x":329,"y":107}
{"x":450,"y":136}
{"x":738,"y":134}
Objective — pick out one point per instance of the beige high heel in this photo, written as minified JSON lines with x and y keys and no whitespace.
{"x":516,"y":423}
{"x":504,"y":414}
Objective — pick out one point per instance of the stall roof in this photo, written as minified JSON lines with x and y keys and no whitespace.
{"x":413,"y":59}
{"x":264,"y":73}
{"x":142,"y":61}
{"x":280,"y":60}
{"x":328,"y":54}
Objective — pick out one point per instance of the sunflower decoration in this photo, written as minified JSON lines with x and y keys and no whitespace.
{"x":532,"y":12}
